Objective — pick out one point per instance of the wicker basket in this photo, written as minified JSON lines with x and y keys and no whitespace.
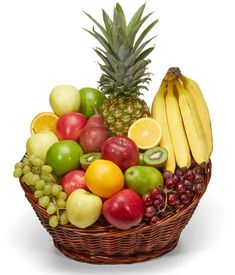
{"x":105,"y":244}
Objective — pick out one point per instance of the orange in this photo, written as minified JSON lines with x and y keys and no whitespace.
{"x":44,"y":121}
{"x":145,"y":132}
{"x":104,"y":178}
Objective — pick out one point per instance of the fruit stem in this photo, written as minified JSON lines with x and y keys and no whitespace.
{"x":96,"y":112}
{"x":57,"y":210}
{"x":165,"y":203}
{"x":172,"y":74}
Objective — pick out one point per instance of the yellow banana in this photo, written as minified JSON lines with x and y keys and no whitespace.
{"x":176,"y":127}
{"x":158,"y":112}
{"x":192,"y":124}
{"x":194,"y":90}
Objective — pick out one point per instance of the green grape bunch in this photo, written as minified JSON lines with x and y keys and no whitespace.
{"x":45,"y":186}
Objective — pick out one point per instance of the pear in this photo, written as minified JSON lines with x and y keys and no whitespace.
{"x":93,"y":135}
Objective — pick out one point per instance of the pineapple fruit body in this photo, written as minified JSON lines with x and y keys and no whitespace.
{"x":120,"y":112}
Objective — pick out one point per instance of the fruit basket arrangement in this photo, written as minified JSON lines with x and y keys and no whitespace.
{"x":111,"y":180}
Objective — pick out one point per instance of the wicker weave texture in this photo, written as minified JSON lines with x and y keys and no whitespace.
{"x":103,"y":243}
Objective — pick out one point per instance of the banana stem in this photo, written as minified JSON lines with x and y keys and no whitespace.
{"x":172,"y":74}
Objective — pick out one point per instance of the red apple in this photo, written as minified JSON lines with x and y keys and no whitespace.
{"x":121,"y":150}
{"x":124,"y":209}
{"x":73,"y":180}
{"x":69,"y":126}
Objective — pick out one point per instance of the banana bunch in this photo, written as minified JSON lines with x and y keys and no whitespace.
{"x":180,"y":108}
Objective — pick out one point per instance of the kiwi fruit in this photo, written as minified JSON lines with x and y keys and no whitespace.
{"x":155,"y":157}
{"x":86,"y":160}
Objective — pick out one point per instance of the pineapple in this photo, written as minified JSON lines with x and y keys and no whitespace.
{"x":124,"y":68}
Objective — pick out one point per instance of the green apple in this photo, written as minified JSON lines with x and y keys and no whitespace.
{"x":83,"y":208}
{"x":64,"y":156}
{"x":91,"y":100}
{"x":38,"y":144}
{"x":64,"y":99}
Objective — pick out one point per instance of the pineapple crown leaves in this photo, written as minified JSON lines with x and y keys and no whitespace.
{"x":123,"y":53}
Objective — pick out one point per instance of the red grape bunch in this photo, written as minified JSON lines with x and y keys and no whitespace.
{"x":179,"y":190}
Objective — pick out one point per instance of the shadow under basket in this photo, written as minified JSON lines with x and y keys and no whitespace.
{"x":105,"y":244}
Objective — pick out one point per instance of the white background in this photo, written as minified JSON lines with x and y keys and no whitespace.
{"x":42,"y":44}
